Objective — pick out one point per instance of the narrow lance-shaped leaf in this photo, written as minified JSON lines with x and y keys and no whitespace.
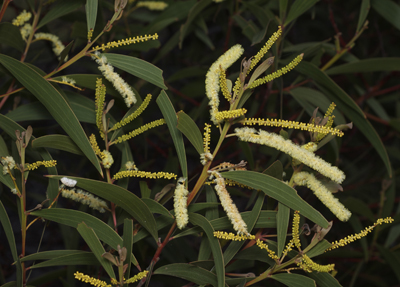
{"x":169,"y":115}
{"x":139,"y":68}
{"x":54,"y":103}
{"x":279,"y":191}
{"x":5,"y":222}
{"x":189,"y":128}
{"x":197,"y":219}
{"x":91,"y":14}
{"x":298,"y":8}
{"x":282,"y":220}
{"x":94,"y":244}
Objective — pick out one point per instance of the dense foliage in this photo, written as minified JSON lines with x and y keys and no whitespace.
{"x":127,"y":144}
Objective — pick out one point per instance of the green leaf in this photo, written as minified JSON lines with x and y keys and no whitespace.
{"x":189,"y":272}
{"x":73,"y":218}
{"x":94,"y":244}
{"x":156,"y":207}
{"x":364,"y":10}
{"x":5,"y":222}
{"x":294,"y":280}
{"x":54,"y":103}
{"x":346,"y":104}
{"x":44,"y":255}
{"x":189,"y":128}
{"x":10,"y":35}
{"x":392,"y":259}
{"x":324,"y":279}
{"x":234,"y":246}
{"x":319,"y":248}
{"x":204,"y":224}
{"x":91,"y":13}
{"x":121,"y":197}
{"x":86,"y":258}
{"x":137,"y":67}
{"x":196,"y":10}
{"x":282,"y":221}
{"x":127,"y":238}
{"x":279,"y":191}
{"x":387,"y":64}
{"x":59,"y":9}
{"x":298,"y":8}
{"x":389,"y":10}
{"x":169,"y":115}
{"x":60,"y":142}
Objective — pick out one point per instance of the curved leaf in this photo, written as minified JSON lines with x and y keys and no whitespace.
{"x":299,"y":7}
{"x":294,"y":280}
{"x":387,"y":64}
{"x":137,"y":67}
{"x":59,"y":9}
{"x":364,"y":10}
{"x":5,"y":222}
{"x":10,"y":35}
{"x":74,"y":259}
{"x":348,"y":106}
{"x":54,"y":103}
{"x":156,"y":207}
{"x":324,"y":279}
{"x":169,"y":115}
{"x":74,"y":217}
{"x":204,"y":224}
{"x":189,"y":272}
{"x":94,"y":244}
{"x":389,"y":10}
{"x":127,"y":237}
{"x":189,"y":128}
{"x":121,"y":197}
{"x":60,"y":142}
{"x":279,"y":191}
{"x":282,"y":220}
{"x":44,"y":255}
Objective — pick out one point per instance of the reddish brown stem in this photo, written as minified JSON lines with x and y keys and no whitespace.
{"x":4,"y":8}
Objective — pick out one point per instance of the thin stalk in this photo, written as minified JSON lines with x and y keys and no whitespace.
{"x":4,"y":8}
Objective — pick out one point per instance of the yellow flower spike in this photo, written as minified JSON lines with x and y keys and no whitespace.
{"x":114,"y":281}
{"x":354,"y":237}
{"x":58,"y":46}
{"x":134,"y":115}
{"x":231,"y":236}
{"x":304,"y":178}
{"x":146,"y":174}
{"x":278,"y":73}
{"x":329,"y":111}
{"x":180,"y":204}
{"x":295,"y":230}
{"x":84,"y":197}
{"x":236,"y":88}
{"x":139,"y":131}
{"x":308,"y":265}
{"x":126,"y":41}
{"x":265,"y":49}
{"x":47,"y":163}
{"x":225,"y":115}
{"x":292,"y":125}
{"x":137,"y":277}
{"x":100,"y":97}
{"x":90,"y":35}
{"x":229,"y":207}
{"x":287,"y":249}
{"x":22,"y":18}
{"x":287,"y":146}
{"x":224,"y":87}
{"x":26,"y":30}
{"x":206,"y":139}
{"x":95,"y":146}
{"x":107,"y":159}
{"x":153,"y":5}
{"x":265,"y":246}
{"x":93,"y":281}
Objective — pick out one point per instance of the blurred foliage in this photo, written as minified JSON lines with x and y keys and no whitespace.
{"x":351,"y":57}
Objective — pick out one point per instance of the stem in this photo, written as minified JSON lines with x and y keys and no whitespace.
{"x":4,"y":8}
